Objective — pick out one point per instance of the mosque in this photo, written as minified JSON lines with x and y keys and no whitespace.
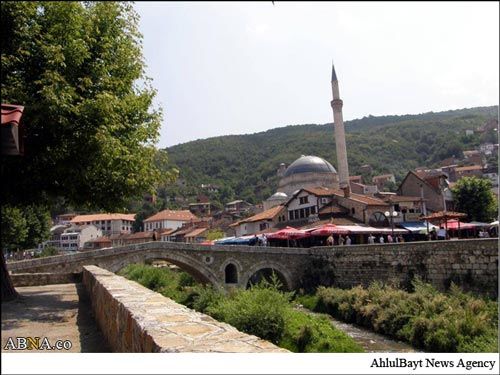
{"x":310,"y":171}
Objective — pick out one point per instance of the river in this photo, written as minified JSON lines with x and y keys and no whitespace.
{"x":370,"y":341}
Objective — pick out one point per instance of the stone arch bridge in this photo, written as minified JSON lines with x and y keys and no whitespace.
{"x":470,"y":263}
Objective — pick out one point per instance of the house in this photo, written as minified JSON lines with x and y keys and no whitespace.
{"x":450,"y":170}
{"x":75,"y":237}
{"x":312,"y":204}
{"x":202,"y":208}
{"x":237,"y":207}
{"x":488,"y":148}
{"x":261,"y":222}
{"x":97,"y":243}
{"x":109,"y":224}
{"x":168,"y":219}
{"x":473,"y":157}
{"x":196,"y":235}
{"x":382,"y":179}
{"x":407,"y":208}
{"x":433,"y":186}
{"x":210,"y":188}
{"x":363,"y":189}
{"x":357,"y":179}
{"x":469,"y":171}
{"x":366,"y":169}
{"x":64,"y":219}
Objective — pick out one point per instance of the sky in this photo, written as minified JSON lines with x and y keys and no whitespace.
{"x":224,"y":68}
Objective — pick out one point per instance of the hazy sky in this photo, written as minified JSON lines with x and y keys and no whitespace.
{"x":235,"y":68}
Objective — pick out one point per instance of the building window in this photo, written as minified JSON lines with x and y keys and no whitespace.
{"x":304,"y":200}
{"x":307,"y":211}
{"x":353,"y":210}
{"x":263,"y":226}
{"x":290,"y":214}
{"x":313,"y":210}
{"x":302,"y":213}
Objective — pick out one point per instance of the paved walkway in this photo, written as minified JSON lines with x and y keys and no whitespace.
{"x":58,"y":312}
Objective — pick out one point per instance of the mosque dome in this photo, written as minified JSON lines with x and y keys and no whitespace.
{"x":308,"y":164}
{"x":278,"y":196}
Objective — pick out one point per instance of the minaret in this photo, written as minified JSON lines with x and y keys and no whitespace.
{"x":338,"y":123}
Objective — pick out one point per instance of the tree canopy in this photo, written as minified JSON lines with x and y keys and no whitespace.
{"x":90,"y":123}
{"x":473,"y":196}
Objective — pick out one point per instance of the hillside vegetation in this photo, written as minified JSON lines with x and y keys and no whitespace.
{"x":245,"y":165}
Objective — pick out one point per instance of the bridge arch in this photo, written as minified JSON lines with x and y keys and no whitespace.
{"x":188,"y":264}
{"x":284,"y":275}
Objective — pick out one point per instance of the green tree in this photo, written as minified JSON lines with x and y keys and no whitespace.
{"x":14,"y":229}
{"x":473,"y":196}
{"x":78,"y":69}
{"x":38,"y":225}
{"x":90,"y":125}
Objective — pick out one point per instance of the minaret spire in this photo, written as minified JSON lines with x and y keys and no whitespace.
{"x":340,"y":145}
{"x":334,"y":75}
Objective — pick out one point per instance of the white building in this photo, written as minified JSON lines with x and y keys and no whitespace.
{"x":168,"y":219}
{"x":75,"y":237}
{"x":109,"y":224}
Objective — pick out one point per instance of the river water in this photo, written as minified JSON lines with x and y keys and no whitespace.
{"x":370,"y":341}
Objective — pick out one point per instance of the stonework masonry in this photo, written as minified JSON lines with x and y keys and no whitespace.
{"x":136,"y":319}
{"x":472,"y":264}
{"x":32,"y":279}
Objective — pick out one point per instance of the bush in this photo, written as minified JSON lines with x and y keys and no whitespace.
{"x":426,"y":318}
{"x":259,"y":311}
{"x":263,"y":310}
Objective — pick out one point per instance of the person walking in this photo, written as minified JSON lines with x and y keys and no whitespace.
{"x":341,"y":240}
{"x":371,"y":239}
{"x":381,"y":239}
{"x":347,"y":240}
{"x":389,"y":238}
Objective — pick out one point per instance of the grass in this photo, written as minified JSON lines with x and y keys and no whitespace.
{"x":426,"y":318}
{"x":263,"y":310}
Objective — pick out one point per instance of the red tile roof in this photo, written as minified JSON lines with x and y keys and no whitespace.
{"x":266,"y":215}
{"x":183,"y":215}
{"x":322,"y":191}
{"x":196,"y":232}
{"x":95,"y":217}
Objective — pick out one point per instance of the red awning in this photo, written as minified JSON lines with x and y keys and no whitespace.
{"x":455,"y":224}
{"x":287,"y":234}
{"x":328,"y":229}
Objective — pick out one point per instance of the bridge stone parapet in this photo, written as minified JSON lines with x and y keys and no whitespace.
{"x":472,"y":264}
{"x":136,"y":319}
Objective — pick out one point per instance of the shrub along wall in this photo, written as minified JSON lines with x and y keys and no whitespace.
{"x":263,"y":310}
{"x":426,"y":318}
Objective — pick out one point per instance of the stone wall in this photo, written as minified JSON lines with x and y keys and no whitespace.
{"x":473,"y":265}
{"x":32,"y":279}
{"x":136,"y":319}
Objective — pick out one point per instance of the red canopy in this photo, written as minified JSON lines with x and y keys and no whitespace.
{"x":287,"y":234}
{"x":454,"y":224}
{"x":328,"y":229}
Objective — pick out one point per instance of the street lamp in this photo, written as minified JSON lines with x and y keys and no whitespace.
{"x":391,"y":215}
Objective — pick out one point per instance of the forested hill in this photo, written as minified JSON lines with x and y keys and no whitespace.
{"x":245,"y":165}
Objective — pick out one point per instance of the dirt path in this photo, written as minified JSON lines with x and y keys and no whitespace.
{"x":58,"y":312}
